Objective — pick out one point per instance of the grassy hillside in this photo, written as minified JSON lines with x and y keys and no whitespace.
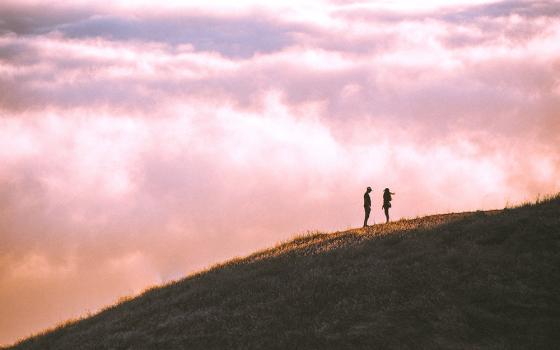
{"x":481,"y":280}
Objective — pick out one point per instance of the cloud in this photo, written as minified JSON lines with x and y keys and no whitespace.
{"x":139,"y":144}
{"x":526,"y":9}
{"x":237,"y":36}
{"x":231,"y":37}
{"x":27,"y":19}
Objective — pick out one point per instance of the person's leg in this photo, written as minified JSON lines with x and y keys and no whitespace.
{"x":367,"y":210}
{"x":387,"y":214}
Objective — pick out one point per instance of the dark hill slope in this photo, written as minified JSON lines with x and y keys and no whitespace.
{"x":482,"y":280}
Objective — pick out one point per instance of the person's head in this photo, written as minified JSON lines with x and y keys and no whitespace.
{"x":386,"y":190}
{"x":368,"y":189}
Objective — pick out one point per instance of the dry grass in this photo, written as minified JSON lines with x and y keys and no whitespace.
{"x":481,"y":280}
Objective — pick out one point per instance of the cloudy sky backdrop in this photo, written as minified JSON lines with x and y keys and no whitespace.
{"x":141,"y":142}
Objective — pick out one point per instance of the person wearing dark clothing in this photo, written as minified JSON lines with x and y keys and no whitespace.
{"x":367,"y":205}
{"x":387,"y":202}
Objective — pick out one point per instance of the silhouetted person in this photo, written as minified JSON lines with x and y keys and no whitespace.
{"x":367,"y":205}
{"x":387,"y":202}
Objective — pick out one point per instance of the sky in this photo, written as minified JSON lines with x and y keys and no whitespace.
{"x":141,"y":142}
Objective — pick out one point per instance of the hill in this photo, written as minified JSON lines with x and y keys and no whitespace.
{"x":479,"y":280}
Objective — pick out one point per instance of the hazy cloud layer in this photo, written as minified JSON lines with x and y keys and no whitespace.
{"x":138,"y":144}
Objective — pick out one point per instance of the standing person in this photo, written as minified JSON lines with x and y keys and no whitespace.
{"x":367,"y":205}
{"x":387,"y":202}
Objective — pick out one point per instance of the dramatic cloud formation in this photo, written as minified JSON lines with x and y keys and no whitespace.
{"x":139,"y":143}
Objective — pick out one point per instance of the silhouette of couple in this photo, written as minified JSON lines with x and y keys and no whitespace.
{"x":387,"y":198}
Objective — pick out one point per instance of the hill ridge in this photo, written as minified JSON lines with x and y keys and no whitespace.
{"x":484,"y":279}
